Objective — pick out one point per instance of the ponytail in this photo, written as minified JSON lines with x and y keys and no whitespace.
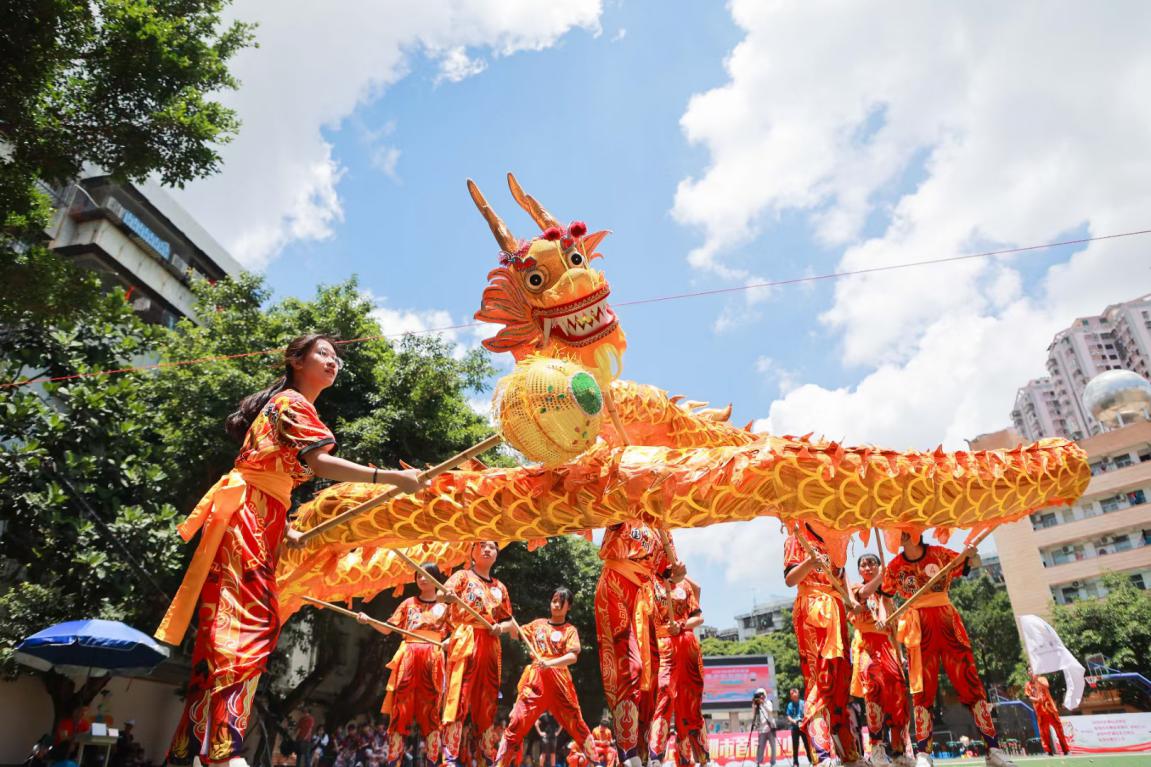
{"x":238,"y":423}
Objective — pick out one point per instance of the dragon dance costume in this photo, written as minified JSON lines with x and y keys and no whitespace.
{"x":416,"y":686}
{"x":546,"y":689}
{"x":1038,"y":690}
{"x":605,"y":751}
{"x":933,"y":633}
{"x":679,"y":694}
{"x":876,"y":676}
{"x":474,"y":663}
{"x":820,"y":621}
{"x":232,"y":577}
{"x":624,"y":619}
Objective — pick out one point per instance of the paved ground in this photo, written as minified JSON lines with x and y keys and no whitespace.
{"x":1083,"y":760}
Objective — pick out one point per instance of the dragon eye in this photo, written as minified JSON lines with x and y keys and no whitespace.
{"x":536,"y":279}
{"x":575,"y":258}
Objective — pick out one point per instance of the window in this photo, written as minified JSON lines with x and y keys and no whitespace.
{"x":1139,"y":581}
{"x":1041,"y":521}
{"x":1110,"y":504}
{"x":1137,"y":497}
{"x":1122,"y":461}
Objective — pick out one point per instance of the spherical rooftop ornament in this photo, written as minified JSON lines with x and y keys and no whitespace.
{"x":1118,"y":397}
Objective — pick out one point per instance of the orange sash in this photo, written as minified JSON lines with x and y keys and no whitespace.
{"x":823,"y":612}
{"x":214,"y":514}
{"x":910,"y":633}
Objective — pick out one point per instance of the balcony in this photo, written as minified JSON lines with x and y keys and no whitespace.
{"x":1092,"y":527}
{"x":1085,"y":569}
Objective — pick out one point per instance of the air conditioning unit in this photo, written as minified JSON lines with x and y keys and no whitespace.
{"x":142,"y":304}
{"x":1075,"y":584}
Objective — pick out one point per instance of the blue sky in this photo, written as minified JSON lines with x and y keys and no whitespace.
{"x":722,"y":144}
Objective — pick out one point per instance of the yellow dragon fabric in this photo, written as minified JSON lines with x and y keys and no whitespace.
{"x":676,"y":464}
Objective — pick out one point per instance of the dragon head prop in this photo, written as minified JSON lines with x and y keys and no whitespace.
{"x":545,"y":293}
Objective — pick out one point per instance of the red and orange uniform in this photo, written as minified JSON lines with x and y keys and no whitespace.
{"x":1038,"y":689}
{"x":416,"y":686}
{"x":473,"y":673}
{"x":933,"y":632}
{"x":876,"y":675}
{"x":820,"y":621}
{"x":679,"y":692}
{"x":232,"y":577}
{"x":546,"y":689}
{"x":632,"y":555}
{"x":605,"y":751}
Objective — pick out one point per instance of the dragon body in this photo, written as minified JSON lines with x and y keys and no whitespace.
{"x":667,"y":461}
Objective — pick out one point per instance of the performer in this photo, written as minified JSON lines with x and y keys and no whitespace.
{"x":876,"y":675}
{"x":1038,"y":689}
{"x":416,"y":686}
{"x":933,"y":633}
{"x":820,"y":621}
{"x":680,"y":689}
{"x":632,"y":555}
{"x":546,"y":684}
{"x":605,"y":750}
{"x":232,"y":575}
{"x":474,"y":653}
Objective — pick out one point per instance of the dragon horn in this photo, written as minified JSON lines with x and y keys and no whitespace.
{"x":542,"y":218}
{"x":500,"y":231}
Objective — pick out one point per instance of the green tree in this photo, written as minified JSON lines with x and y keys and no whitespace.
{"x":126,"y":85}
{"x":990,"y":622}
{"x":86,"y":534}
{"x":1118,"y":626}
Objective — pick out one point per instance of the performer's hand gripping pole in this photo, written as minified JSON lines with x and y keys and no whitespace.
{"x":382,"y":624}
{"x":371,"y":503}
{"x":943,"y":571}
{"x":827,"y":570}
{"x":467,"y":608}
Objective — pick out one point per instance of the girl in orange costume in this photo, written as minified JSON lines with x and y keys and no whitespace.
{"x":474,"y":653}
{"x":416,"y":686}
{"x":820,"y":620}
{"x":232,"y":576}
{"x":1038,"y":690}
{"x":933,"y":633}
{"x":605,"y":753}
{"x":680,"y":689}
{"x":546,"y":684}
{"x":876,"y":676}
{"x":632,"y":555}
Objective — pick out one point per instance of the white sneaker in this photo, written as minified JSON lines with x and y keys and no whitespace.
{"x":997,"y":758}
{"x":879,"y":757}
{"x":923,"y":759}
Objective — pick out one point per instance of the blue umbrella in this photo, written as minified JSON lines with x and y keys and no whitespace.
{"x":90,"y":646}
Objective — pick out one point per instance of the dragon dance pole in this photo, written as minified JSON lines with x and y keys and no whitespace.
{"x":943,"y":571}
{"x":903,"y":676}
{"x":371,"y":503}
{"x":383,"y":624}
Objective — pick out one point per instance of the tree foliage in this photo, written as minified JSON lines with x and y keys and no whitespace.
{"x":1117,"y":626}
{"x":126,"y":85}
{"x":990,"y":621}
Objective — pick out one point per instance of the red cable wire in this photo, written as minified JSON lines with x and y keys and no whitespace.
{"x":637,"y":302}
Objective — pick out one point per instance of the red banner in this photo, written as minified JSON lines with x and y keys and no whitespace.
{"x":734,"y":748}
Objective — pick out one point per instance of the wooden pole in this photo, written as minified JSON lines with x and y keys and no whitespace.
{"x":371,"y":503}
{"x":943,"y":571}
{"x":382,"y":624}
{"x":442,"y":589}
{"x":903,"y":676}
{"x":531,"y":645}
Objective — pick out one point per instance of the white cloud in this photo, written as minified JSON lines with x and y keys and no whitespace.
{"x":744,"y":552}
{"x":316,"y":63}
{"x":1009,"y":137}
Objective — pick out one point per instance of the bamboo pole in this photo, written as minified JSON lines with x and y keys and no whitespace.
{"x":943,"y":571}
{"x":382,"y":624}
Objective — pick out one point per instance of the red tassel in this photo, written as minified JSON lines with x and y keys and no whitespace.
{"x":553,"y":233}
{"x":577,"y":229}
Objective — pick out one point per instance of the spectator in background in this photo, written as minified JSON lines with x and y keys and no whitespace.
{"x":76,"y":724}
{"x":304,"y":727}
{"x":546,"y":728}
{"x":794,"y":714}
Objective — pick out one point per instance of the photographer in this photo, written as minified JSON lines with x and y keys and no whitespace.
{"x":763,"y":722}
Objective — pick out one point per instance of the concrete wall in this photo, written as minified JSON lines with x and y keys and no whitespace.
{"x":26,"y":714}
